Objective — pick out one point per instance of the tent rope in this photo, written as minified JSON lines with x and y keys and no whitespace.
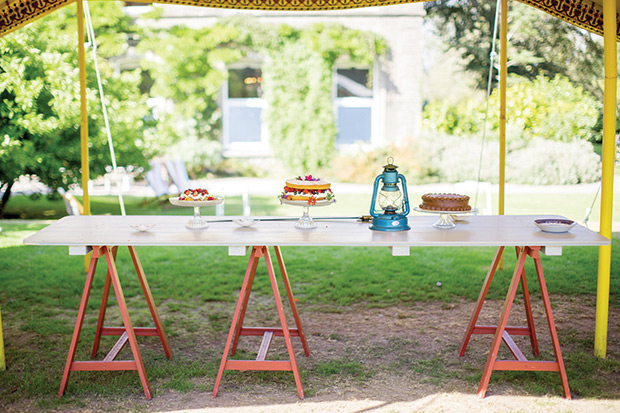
{"x":591,"y":208}
{"x":92,"y":42}
{"x":492,"y":57}
{"x":598,"y":191}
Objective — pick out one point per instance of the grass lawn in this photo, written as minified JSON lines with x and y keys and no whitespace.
{"x":195,"y":289}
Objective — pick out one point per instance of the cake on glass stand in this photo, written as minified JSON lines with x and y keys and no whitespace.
{"x":447,"y":218}
{"x":306,"y":222}
{"x":197,"y":222}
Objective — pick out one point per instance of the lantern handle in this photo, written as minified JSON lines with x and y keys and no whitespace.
{"x":405,"y":195}
{"x":373,"y":213}
{"x":390,"y":160}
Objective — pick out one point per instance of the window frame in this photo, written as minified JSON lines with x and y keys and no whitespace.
{"x":243,"y":147}
{"x":356,"y":102}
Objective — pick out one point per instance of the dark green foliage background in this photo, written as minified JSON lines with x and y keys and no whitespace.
{"x":40,"y":100}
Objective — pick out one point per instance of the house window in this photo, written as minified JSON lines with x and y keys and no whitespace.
{"x":353,"y":105}
{"x":243,"y":129}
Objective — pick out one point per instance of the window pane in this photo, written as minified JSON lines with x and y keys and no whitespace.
{"x":244,"y":83}
{"x":353,"y":125}
{"x":354,"y":82}
{"x":244,"y":124}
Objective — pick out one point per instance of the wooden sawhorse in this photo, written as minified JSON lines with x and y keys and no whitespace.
{"x":237,"y":329}
{"x":126,"y":333}
{"x":502,"y":332}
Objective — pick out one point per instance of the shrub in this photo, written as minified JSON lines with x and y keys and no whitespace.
{"x":547,"y":108}
{"x":302,"y":129}
{"x":455,"y":159}
{"x":544,"y":162}
{"x":543,"y":108}
{"x":454,"y":118}
{"x":362,"y":165}
{"x":445,"y":158}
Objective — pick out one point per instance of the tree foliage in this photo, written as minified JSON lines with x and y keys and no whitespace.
{"x":188,"y":71}
{"x":40,"y":103}
{"x":553,"y":109}
{"x":538,"y":43}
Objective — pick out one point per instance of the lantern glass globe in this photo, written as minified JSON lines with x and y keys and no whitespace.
{"x":391,"y":201}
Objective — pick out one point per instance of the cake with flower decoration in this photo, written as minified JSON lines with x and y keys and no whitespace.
{"x":307,"y":188}
{"x":198,"y":194}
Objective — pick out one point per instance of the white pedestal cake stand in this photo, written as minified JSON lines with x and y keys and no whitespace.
{"x":196,"y":222}
{"x":306,"y":222}
{"x":445,"y":221}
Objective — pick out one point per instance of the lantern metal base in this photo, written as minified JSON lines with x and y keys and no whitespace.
{"x":390,"y":222}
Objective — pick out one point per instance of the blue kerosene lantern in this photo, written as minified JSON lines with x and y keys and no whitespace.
{"x":393,"y":203}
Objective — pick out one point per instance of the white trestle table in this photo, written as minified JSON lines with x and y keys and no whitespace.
{"x":104,"y":234}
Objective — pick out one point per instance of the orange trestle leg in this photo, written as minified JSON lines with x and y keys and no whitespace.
{"x":244,"y":306}
{"x":159,"y":327}
{"x":122,"y":305}
{"x":503,"y":333}
{"x":551,"y":324}
{"x":103,"y":307}
{"x":291,"y":299}
{"x":528,"y":310}
{"x":237,"y":329}
{"x":80,"y":319}
{"x":127,"y":333}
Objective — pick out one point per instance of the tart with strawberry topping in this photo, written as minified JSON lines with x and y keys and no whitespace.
{"x":198,"y":194}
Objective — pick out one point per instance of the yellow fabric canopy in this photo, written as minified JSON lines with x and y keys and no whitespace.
{"x":587,"y":14}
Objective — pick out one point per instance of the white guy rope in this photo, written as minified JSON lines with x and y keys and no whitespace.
{"x":93,"y":43}
{"x":492,"y":57}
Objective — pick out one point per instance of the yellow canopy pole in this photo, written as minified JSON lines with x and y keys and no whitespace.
{"x":83,"y":114}
{"x":503,"y":75}
{"x":607,"y":179}
{"x":83,"y":107}
{"x":2,"y":359}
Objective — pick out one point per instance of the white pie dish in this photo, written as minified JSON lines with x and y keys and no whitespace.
{"x":142,"y":227}
{"x":245,"y":222}
{"x":554,"y":225}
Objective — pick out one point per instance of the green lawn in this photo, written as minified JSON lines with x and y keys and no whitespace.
{"x":40,"y":289}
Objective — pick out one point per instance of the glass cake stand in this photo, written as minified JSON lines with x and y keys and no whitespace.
{"x":196,"y":222}
{"x":445,"y":220}
{"x":306,"y":222}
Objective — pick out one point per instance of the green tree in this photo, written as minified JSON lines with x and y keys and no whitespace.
{"x":553,"y":109}
{"x":189,"y":69}
{"x":40,"y":103}
{"x":539,"y":44}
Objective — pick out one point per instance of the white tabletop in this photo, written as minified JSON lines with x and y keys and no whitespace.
{"x":507,"y":230}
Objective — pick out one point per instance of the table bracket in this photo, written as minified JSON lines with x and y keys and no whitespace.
{"x":400,"y":251}
{"x":237,"y":329}
{"x":127,"y":333}
{"x":236,"y":250}
{"x":502,"y":332}
{"x":80,"y":250}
